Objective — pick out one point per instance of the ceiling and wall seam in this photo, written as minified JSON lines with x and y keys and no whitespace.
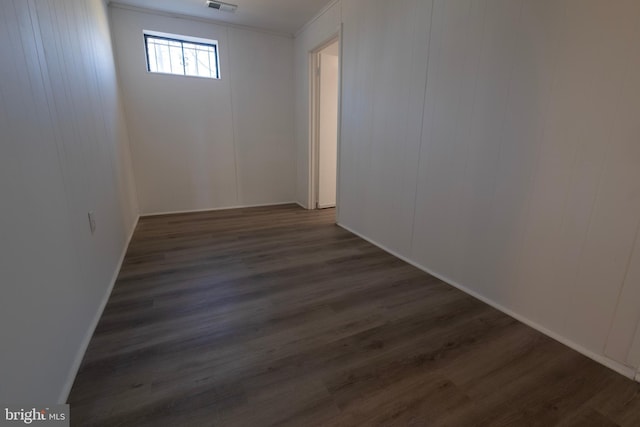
{"x":317,"y":16}
{"x":118,"y":5}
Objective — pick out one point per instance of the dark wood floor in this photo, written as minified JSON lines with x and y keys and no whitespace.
{"x":276,"y":316}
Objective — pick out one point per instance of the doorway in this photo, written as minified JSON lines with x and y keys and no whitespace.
{"x":325,"y":86}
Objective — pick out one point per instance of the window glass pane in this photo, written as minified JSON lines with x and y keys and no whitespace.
{"x":204,"y":67}
{"x":176,"y":59}
{"x":190,"y":62}
{"x":181,"y":57}
{"x":151,"y":57}
{"x":164,"y":59}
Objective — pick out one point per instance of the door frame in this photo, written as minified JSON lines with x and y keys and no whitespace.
{"x":314,"y":118}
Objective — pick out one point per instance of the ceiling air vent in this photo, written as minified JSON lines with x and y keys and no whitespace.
{"x":222,"y":6}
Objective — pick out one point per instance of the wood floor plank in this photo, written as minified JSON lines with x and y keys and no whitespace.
{"x":276,"y":316}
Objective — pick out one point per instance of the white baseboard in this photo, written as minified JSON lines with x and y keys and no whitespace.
{"x":64,"y":394}
{"x":609,"y":363}
{"x":302,"y":205}
{"x":145,"y":215}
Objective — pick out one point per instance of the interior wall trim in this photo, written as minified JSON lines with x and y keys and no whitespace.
{"x":224,"y":208}
{"x":315,"y":18}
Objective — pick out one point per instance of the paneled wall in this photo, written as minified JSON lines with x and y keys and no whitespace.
{"x":384,"y":67}
{"x":63,"y":152}
{"x":495,"y":143}
{"x":202,"y":143}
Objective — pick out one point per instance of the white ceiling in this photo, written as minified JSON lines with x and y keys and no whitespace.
{"x":285,"y":16}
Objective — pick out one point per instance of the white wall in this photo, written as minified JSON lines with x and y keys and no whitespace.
{"x":494,"y":143}
{"x":328,"y":127}
{"x":384,"y":66}
{"x":202,"y":143}
{"x":64,"y":151}
{"x":315,"y":33}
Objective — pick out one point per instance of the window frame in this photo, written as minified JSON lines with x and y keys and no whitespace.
{"x":182,"y":40}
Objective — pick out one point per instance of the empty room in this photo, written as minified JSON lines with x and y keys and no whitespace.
{"x":320,"y":213}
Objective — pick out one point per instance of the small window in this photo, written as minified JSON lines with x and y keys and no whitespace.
{"x":181,"y":55}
